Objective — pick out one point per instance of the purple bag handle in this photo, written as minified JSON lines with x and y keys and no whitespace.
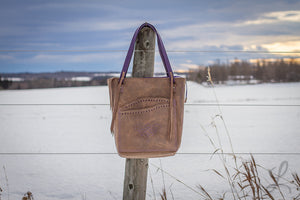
{"x":161,"y":47}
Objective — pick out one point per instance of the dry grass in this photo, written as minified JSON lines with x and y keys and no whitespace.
{"x":0,"y":192}
{"x":28,"y":196}
{"x":245,"y":179}
{"x":250,"y":187}
{"x":246,"y":182}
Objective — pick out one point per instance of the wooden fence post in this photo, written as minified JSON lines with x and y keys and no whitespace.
{"x":136,"y":170}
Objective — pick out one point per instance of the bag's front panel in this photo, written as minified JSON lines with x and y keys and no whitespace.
{"x":135,"y":88}
{"x":145,"y":130}
{"x":142,"y":125}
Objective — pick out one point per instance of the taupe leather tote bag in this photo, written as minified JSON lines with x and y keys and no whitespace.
{"x":147,"y":113}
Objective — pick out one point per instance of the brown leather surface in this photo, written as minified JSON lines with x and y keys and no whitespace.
{"x":142,"y":121}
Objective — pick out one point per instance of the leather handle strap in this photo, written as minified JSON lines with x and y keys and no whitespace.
{"x":161,"y":47}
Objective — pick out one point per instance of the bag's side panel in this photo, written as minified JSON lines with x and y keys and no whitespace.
{"x":112,"y":86}
{"x":179,"y":96}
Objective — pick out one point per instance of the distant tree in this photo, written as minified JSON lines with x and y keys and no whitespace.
{"x":5,"y":84}
{"x":233,"y":70}
{"x":258,"y":72}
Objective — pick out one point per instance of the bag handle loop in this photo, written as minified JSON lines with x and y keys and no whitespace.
{"x":161,"y":47}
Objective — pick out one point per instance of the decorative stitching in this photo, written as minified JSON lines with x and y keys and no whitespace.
{"x":144,"y":110}
{"x":155,"y":99}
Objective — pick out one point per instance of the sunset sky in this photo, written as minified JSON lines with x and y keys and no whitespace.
{"x":69,"y":28}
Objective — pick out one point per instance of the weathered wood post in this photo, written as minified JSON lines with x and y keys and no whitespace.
{"x":136,"y":170}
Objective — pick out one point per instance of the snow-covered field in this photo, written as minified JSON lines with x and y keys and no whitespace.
{"x":261,"y":119}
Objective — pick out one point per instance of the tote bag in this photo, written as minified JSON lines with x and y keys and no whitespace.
{"x":147,"y":113}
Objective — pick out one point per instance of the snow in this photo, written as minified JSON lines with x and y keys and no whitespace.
{"x":265,"y":122}
{"x":81,"y":78}
{"x":14,"y":79}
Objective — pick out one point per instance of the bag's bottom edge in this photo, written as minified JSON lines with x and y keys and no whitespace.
{"x":146,"y":155}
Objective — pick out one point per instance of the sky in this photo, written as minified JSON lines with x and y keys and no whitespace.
{"x":49,"y":36}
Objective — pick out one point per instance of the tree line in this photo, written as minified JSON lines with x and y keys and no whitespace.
{"x":27,"y":80}
{"x":48,"y":83}
{"x":262,"y":71}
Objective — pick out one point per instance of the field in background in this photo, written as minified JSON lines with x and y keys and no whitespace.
{"x":67,"y":150}
{"x":236,"y":72}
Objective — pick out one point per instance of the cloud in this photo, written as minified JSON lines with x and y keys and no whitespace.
{"x":188,"y":66}
{"x":6,"y":57}
{"x":89,"y":25}
{"x":274,"y":17}
{"x":45,"y":6}
{"x":75,"y":58}
{"x":254,"y":34}
{"x":291,"y":46}
{"x":118,"y":44}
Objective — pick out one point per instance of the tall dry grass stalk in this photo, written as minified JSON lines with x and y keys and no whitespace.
{"x":6,"y":180}
{"x":152,"y":185}
{"x":233,"y":188}
{"x":177,"y":180}
{"x":163,"y":195}
{"x":0,"y":192}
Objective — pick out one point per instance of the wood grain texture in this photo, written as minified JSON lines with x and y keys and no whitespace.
{"x":143,"y":61}
{"x":136,"y":170}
